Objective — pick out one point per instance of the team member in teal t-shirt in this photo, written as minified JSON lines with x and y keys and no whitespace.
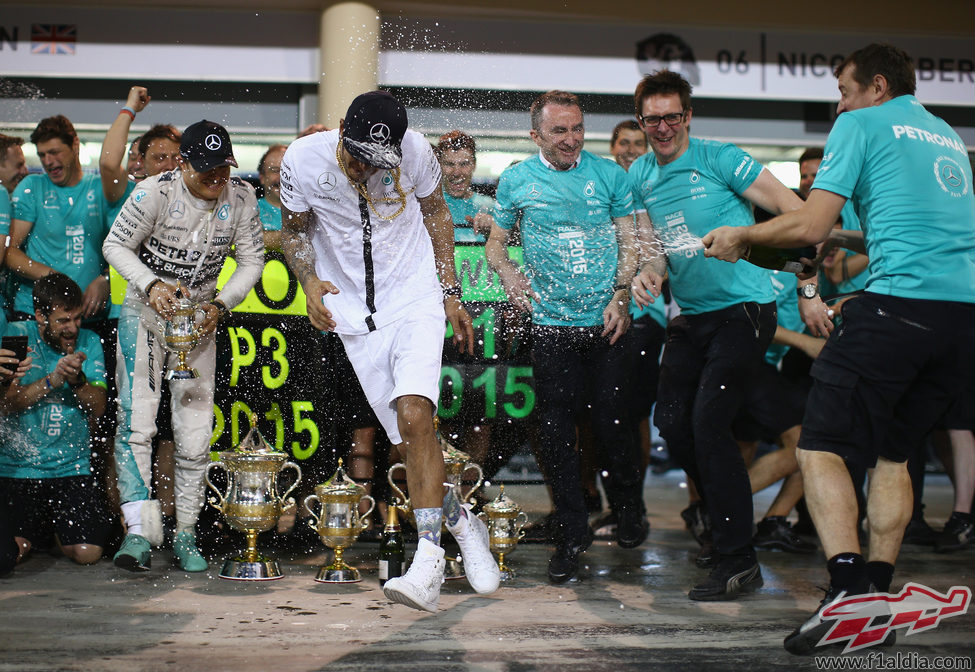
{"x":575,"y":214}
{"x":644,"y":342}
{"x":60,"y":220}
{"x":471,"y":211}
{"x":269,"y":207}
{"x":727,"y":319}
{"x":45,"y":454}
{"x":904,"y":352}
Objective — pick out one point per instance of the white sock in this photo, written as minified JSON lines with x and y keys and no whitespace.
{"x":132,"y":512}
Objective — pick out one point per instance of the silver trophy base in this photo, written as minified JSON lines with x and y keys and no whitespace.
{"x":338,"y":575}
{"x":238,"y":569}
{"x":453,"y":569}
{"x":176,"y":374}
{"x":508,"y":575}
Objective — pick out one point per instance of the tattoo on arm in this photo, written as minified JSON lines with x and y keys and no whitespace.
{"x":296,"y":244}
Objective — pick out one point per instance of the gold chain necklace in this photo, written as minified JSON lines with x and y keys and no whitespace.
{"x":363,"y":189}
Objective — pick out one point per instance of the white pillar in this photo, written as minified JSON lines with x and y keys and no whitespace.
{"x":349,"y":46}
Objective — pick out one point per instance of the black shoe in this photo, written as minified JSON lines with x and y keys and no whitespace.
{"x":807,"y":637}
{"x":919,"y":533}
{"x":775,"y":533}
{"x":632,"y":528}
{"x":605,"y":527}
{"x":959,"y":532}
{"x":539,"y":532}
{"x":731,"y":576}
{"x":697,"y":521}
{"x":564,"y":564}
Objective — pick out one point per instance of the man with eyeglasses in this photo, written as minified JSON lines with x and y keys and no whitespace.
{"x":682,"y":190}
{"x":580,"y":254}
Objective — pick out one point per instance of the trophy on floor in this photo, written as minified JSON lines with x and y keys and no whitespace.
{"x":339,"y":523}
{"x":251,"y":503}
{"x":181,"y":335}
{"x":456,"y":464}
{"x":505,"y":522}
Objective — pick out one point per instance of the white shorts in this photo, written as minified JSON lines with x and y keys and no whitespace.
{"x":399,"y":359}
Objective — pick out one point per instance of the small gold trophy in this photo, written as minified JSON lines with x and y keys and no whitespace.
{"x":251,"y":503}
{"x":505,"y":522}
{"x":182,"y":336}
{"x":456,"y":464}
{"x":339,"y":523}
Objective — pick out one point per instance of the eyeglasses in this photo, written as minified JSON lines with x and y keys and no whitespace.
{"x":672,"y":119}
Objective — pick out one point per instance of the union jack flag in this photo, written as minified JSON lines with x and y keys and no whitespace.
{"x":50,"y":38}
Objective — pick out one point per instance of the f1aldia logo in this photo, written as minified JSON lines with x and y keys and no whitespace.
{"x":865,"y":620}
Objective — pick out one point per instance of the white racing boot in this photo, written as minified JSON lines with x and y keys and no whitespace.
{"x":480,"y":568}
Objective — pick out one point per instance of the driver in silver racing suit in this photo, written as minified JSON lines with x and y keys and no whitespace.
{"x":176,"y":230}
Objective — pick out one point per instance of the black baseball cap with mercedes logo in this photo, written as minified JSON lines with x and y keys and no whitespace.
{"x":206,"y":145}
{"x":374,"y":128}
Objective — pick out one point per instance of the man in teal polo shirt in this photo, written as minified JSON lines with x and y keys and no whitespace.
{"x":60,"y":220}
{"x":681,"y":190}
{"x":904,"y":351}
{"x":471,"y":211}
{"x":575,"y":213}
{"x":269,"y":207}
{"x":45,"y":453}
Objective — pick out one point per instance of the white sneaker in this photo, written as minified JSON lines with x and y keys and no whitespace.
{"x":419,"y":588}
{"x":480,"y":567}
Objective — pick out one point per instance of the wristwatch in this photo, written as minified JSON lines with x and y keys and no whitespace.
{"x":808,"y":291}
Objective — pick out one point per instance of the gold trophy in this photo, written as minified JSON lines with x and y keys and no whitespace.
{"x":339,"y":523}
{"x":251,"y":503}
{"x":181,"y":335}
{"x":456,"y":464}
{"x":505,"y":522}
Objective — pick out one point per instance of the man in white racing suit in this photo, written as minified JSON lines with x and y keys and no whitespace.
{"x":171,"y":239}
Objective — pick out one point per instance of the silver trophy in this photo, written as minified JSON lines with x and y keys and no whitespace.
{"x":339,"y":523}
{"x":181,"y":335}
{"x":251,"y":503}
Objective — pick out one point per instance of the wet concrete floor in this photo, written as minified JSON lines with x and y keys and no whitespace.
{"x":627,"y":611}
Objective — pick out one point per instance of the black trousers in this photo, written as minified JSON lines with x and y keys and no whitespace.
{"x":708,"y":362}
{"x":575,"y":367}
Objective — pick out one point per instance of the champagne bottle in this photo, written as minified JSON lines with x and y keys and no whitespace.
{"x":781,"y":259}
{"x":392,"y":551}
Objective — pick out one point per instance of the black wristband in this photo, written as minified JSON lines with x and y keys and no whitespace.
{"x":453,"y":291}
{"x":621,"y":287}
{"x":82,"y":381}
{"x":151,"y":285}
{"x":222,"y":308}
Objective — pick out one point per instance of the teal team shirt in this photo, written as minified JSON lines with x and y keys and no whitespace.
{"x":50,"y":439}
{"x":697,"y":192}
{"x":4,"y":212}
{"x":657,"y":310}
{"x":461,"y":209}
{"x":567,"y":232}
{"x":851,"y":223}
{"x":908,"y":175}
{"x":4,"y":231}
{"x":270,"y":215}
{"x":69,"y":227}
{"x":787,"y":312}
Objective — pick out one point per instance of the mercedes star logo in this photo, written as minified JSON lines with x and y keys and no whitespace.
{"x":379,"y":133}
{"x":948,"y":172}
{"x":326,"y":181}
{"x":534,"y":191}
{"x":213,"y":142}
